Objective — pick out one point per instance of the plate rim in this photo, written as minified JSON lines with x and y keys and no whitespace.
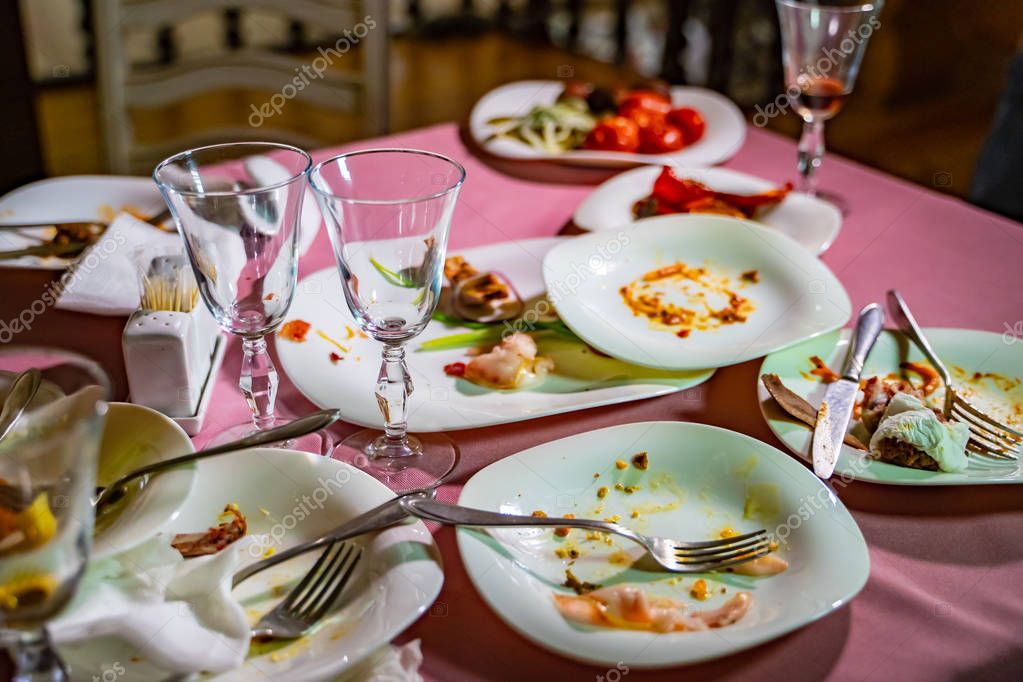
{"x":462,"y":536}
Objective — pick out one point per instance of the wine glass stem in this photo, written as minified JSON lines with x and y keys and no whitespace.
{"x":394,"y":386}
{"x":36,"y":659}
{"x":811,"y":152}
{"x":258,"y":381}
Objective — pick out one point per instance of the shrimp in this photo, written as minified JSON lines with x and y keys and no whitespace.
{"x":510,"y":364}
{"x":630,"y":608}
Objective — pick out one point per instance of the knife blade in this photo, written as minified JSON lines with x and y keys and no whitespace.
{"x":836,"y":409}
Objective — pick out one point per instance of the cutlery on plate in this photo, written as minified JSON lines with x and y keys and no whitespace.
{"x":674,"y":555}
{"x":387,"y":514}
{"x":156,"y":221}
{"x":988,"y":437}
{"x":836,"y":410}
{"x":23,"y":390}
{"x":309,"y":601}
{"x":293,"y":429}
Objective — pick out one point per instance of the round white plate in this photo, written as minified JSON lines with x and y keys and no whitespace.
{"x":726,"y":128}
{"x":796,"y":298}
{"x":717,"y":478}
{"x":811,"y":222}
{"x":72,"y":198}
{"x":304,"y":495}
{"x":135,"y":436}
{"x":581,"y":379}
{"x":964,"y":351}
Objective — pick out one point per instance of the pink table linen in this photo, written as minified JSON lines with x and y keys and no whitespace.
{"x":944,"y":597}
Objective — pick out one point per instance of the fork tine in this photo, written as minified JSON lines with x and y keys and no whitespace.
{"x":725,"y":562}
{"x":1003,"y":439}
{"x":324,"y":579}
{"x":965,"y":405}
{"x":985,"y":445}
{"x":721,"y":541}
{"x":719,"y":549}
{"x":746,"y":552}
{"x":982,"y":451}
{"x":299,"y":589}
{"x":331,"y":596}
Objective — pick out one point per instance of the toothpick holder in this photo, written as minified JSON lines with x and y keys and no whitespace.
{"x":168,"y":357}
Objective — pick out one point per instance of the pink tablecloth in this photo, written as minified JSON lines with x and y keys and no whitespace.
{"x":944,"y":598}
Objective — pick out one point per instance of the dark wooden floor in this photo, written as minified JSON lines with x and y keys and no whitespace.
{"x":933,"y":142}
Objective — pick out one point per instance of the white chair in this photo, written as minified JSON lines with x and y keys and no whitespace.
{"x":124,"y":86}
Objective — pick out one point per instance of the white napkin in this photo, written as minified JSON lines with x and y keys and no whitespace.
{"x":104,"y":280}
{"x":178,"y":615}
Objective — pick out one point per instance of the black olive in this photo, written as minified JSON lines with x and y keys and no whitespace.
{"x":601,"y":100}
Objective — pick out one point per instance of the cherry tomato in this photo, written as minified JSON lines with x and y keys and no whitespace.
{"x":690,"y":121}
{"x":644,"y":99}
{"x":614,"y":134}
{"x":644,"y":118}
{"x":661,"y":137}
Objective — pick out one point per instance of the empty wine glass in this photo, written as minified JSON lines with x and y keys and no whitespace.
{"x":47,"y":476}
{"x":237,"y":207}
{"x":822,"y":46}
{"x":388,"y":212}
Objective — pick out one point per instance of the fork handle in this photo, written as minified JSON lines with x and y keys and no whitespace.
{"x":455,"y":515}
{"x":906,"y":323}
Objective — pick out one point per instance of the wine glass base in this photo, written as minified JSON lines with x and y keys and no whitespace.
{"x":835,"y":200}
{"x":427,"y":460}
{"x":320,"y":442}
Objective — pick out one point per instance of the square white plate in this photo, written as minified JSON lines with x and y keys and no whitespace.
{"x":797,"y":297}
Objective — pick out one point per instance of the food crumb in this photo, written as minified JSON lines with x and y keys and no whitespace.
{"x":580,"y":586}
{"x":641,"y":461}
{"x":751,"y":276}
{"x":563,"y":532}
{"x":613,"y":519}
{"x":596,"y":475}
{"x":335,"y":358}
{"x":602,"y":492}
{"x":634,"y":514}
{"x":295,"y":330}
{"x":270,"y":551}
{"x":727,"y":532}
{"x":561,"y":552}
{"x":619,"y":486}
{"x":620,"y":463}
{"x":699,"y":590}
{"x":539,"y":514}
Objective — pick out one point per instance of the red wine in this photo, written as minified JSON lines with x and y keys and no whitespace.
{"x":821,"y":98}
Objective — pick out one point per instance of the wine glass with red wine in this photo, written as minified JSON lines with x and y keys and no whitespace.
{"x":822,"y":44}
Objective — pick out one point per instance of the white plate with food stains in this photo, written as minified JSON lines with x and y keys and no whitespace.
{"x":987,"y":371}
{"x":684,"y":292}
{"x":700,"y":482}
{"x":810,"y":221}
{"x":287,"y":498}
{"x":336,"y":366}
{"x":72,"y":198}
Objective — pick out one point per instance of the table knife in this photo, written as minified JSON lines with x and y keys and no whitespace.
{"x":836,"y":410}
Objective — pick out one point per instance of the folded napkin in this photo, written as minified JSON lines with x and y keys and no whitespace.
{"x":104,"y":280}
{"x":177,"y":615}
{"x":388,"y":664}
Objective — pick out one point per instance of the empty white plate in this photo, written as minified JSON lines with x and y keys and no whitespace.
{"x":701,"y":479}
{"x":796,"y":297}
{"x":810,"y":221}
{"x":439,"y":402}
{"x":726,"y":128}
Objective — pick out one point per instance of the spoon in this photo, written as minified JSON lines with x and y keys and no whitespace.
{"x":294,"y":429}
{"x":23,"y":390}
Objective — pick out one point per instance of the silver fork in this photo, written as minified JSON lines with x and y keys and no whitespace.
{"x":988,"y":437}
{"x":313,"y":596}
{"x":674,"y":555}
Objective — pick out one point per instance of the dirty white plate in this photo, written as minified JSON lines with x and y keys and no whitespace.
{"x":964,"y":351}
{"x":72,"y":198}
{"x":701,"y":479}
{"x":726,"y":127}
{"x":797,"y":297}
{"x":398,"y":577}
{"x":811,"y":222}
{"x":439,"y":402}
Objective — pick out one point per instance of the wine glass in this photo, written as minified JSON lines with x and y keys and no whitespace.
{"x":240,"y":233}
{"x":822,"y":46}
{"x":388,"y":212}
{"x":47,"y":475}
